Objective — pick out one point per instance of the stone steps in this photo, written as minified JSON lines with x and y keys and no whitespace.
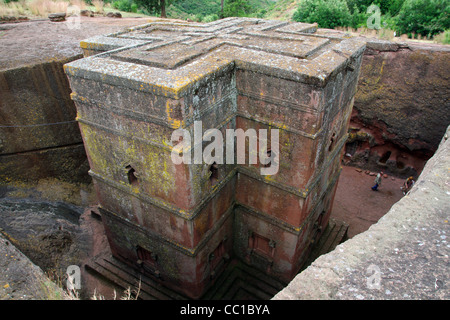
{"x":242,"y":282}
{"x":238,"y":282}
{"x":334,"y":234}
{"x":126,"y":277}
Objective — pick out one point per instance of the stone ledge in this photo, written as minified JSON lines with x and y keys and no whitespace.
{"x":21,"y":279}
{"x":403,"y":256}
{"x":168,"y":59}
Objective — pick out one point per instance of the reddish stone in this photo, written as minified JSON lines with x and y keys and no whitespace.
{"x":183,"y":223}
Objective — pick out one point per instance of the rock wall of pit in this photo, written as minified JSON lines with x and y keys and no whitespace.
{"x":401,"y":108}
{"x":39,"y":136}
{"x":403,"y":256}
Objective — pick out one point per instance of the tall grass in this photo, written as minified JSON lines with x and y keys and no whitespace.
{"x":13,"y":8}
{"x":383,"y":33}
{"x":128,"y":294}
{"x":98,"y":4}
{"x":78,"y":3}
{"x":443,"y":37}
{"x":41,"y":8}
{"x":44,"y":7}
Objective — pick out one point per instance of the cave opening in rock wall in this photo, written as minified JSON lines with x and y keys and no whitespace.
{"x":385,"y":157}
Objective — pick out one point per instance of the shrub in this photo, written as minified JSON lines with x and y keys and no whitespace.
{"x":261,"y":13}
{"x":327,"y":14}
{"x":236,"y":8}
{"x":210,"y":18}
{"x":360,"y":5}
{"x":443,"y":37}
{"x":386,"y":6}
{"x":424,"y":17}
{"x":123,"y":5}
{"x":98,"y":4}
{"x":395,"y":6}
{"x":359,"y":19}
{"x":197,"y":7}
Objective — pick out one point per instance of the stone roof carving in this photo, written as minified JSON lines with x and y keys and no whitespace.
{"x":168,"y":57}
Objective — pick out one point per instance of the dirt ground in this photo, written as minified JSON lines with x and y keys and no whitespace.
{"x":37,"y":41}
{"x":356,"y":203}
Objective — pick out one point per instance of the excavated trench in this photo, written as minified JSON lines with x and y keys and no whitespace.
{"x":400,"y":114}
{"x":57,"y":234}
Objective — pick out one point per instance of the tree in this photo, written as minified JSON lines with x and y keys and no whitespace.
{"x":386,"y":6}
{"x":155,"y":5}
{"x":327,"y":13}
{"x":425,"y":17}
{"x":236,"y":8}
{"x":361,"y":5}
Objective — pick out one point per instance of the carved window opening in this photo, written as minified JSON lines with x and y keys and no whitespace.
{"x":147,"y":261}
{"x":214,"y":173}
{"x":131,"y":174}
{"x":271,"y":158}
{"x":317,"y":227}
{"x":146,"y":256}
{"x":332,"y":142}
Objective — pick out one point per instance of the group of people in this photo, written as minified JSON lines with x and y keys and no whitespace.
{"x":407,"y":185}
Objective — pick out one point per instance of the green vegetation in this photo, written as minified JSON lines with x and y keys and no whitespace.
{"x":416,"y":18}
{"x":125,"y":5}
{"x":236,"y":8}
{"x":413,"y":17}
{"x":327,"y":13}
{"x":196,"y":10}
{"x":443,"y":37}
{"x":210,"y":10}
{"x":386,"y":6}
{"x":153,"y":6}
{"x":426,"y":18}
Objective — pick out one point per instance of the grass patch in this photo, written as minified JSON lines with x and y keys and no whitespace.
{"x":35,"y":9}
{"x":443,"y":38}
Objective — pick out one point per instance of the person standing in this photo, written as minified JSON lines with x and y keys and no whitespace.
{"x":408,"y":185}
{"x":377,"y":181}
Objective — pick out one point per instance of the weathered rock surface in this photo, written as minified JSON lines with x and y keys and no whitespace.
{"x":236,"y":73}
{"x":40,"y":240}
{"x":33,"y":42}
{"x":403,"y":256}
{"x":48,"y":233}
{"x":86,"y":13}
{"x":401,"y":106}
{"x":114,"y":15}
{"x":57,"y":17}
{"x":39,"y":137}
{"x":21,"y":279}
